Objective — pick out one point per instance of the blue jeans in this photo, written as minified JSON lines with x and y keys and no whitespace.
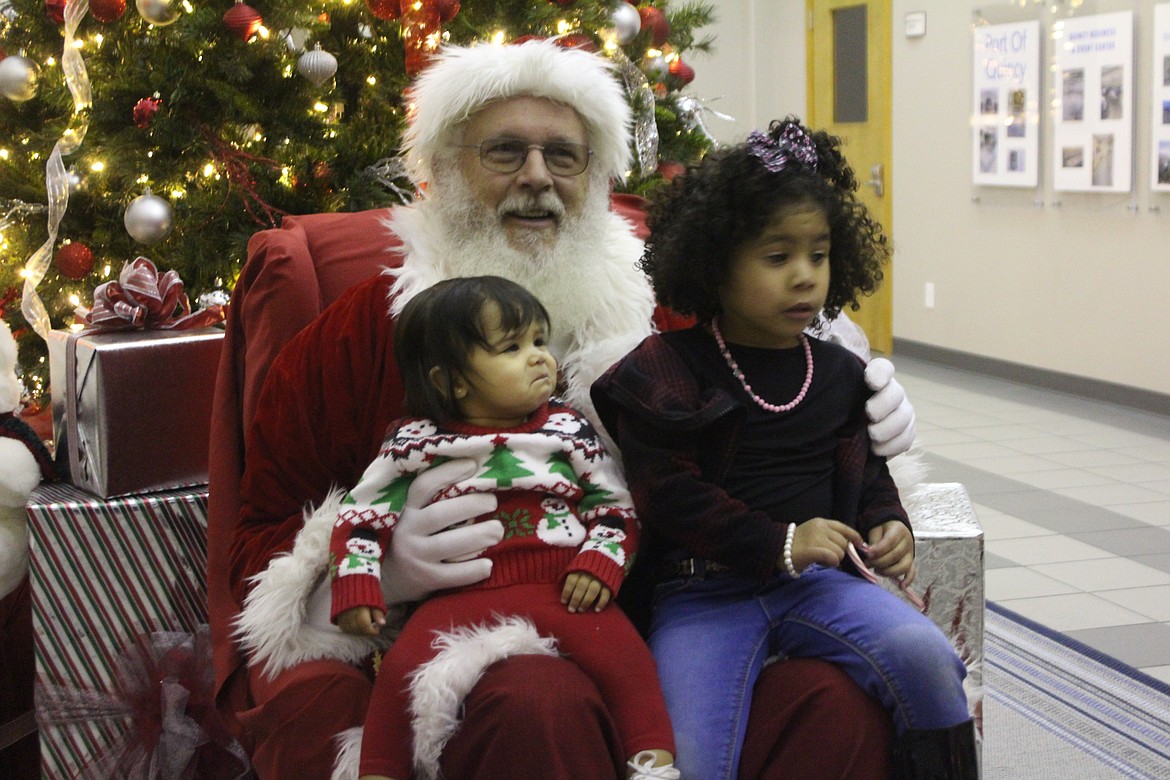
{"x":711,"y":638}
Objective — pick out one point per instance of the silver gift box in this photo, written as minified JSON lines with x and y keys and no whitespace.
{"x":138,"y":417}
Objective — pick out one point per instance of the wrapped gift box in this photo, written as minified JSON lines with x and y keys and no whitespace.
{"x":104,"y":574}
{"x":132,"y":409}
{"x":949,"y":558}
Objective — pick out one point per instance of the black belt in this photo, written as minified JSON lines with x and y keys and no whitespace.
{"x":692,"y":567}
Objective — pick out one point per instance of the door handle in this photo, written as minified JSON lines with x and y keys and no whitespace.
{"x":876,"y":180}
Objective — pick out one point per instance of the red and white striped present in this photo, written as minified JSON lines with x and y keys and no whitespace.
{"x":106,"y":574}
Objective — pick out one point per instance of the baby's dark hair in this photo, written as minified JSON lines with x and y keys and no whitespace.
{"x":442,"y":324}
{"x":699,"y":220}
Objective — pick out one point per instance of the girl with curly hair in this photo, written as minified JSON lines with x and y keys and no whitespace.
{"x":746,"y":451}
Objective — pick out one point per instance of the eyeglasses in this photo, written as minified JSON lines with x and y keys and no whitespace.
{"x":505,"y":155}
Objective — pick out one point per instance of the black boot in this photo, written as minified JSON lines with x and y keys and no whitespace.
{"x":937,"y":754}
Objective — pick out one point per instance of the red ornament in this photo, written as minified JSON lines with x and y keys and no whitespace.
{"x":55,"y":10}
{"x":577,"y":41}
{"x":668,"y":169}
{"x":243,"y":20}
{"x":144,"y":111}
{"x":447,"y":9}
{"x":74,"y":260}
{"x":655,"y":21}
{"x":385,"y":9}
{"x":107,"y":11}
{"x":681,"y":71}
{"x":421,"y":32}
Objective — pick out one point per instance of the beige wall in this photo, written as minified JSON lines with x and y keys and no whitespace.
{"x":1068,"y":282}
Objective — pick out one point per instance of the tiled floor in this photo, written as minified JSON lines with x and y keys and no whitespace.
{"x":1074,"y":499}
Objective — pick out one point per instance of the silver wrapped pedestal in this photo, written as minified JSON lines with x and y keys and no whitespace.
{"x":949,"y":556}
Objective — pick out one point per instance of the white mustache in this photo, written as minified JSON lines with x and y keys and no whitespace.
{"x":544,"y":202}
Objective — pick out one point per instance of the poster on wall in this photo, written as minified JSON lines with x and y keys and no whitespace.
{"x":1160,"y":105}
{"x":1005,"y":118}
{"x":1093,"y":111}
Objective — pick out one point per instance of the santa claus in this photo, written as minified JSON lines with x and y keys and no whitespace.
{"x":514,"y":148}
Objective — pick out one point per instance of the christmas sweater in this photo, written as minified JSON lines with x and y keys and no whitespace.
{"x":562,"y":499}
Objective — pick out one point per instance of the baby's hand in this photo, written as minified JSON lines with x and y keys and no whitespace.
{"x":820,"y":541}
{"x":362,"y":621}
{"x":584,"y":591}
{"x":891,"y":551}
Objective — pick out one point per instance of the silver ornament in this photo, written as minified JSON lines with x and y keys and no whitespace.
{"x":18,"y":78}
{"x":159,"y":12}
{"x":318,"y":65}
{"x":642,"y":102}
{"x":626,"y":23}
{"x":656,"y":67}
{"x":7,"y":11}
{"x":148,"y":218}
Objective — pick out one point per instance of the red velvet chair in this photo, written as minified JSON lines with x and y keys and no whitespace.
{"x":292,"y":274}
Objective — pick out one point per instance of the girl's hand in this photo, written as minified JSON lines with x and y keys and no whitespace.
{"x":891,"y":551}
{"x":362,"y":621}
{"x":820,"y":541}
{"x":584,"y":591}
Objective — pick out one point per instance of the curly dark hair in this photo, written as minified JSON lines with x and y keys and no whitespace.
{"x":699,"y":221}
{"x":441,"y":325}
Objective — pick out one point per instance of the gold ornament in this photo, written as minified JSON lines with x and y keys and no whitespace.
{"x":159,"y":12}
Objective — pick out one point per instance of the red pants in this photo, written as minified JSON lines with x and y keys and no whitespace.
{"x":808,"y":722}
{"x":603,"y":644}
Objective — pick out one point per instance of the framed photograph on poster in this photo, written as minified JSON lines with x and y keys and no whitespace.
{"x":1160,"y":105}
{"x":1093,"y":119}
{"x":1005,"y":118}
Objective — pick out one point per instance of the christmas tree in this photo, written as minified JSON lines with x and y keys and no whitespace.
{"x":175,"y":130}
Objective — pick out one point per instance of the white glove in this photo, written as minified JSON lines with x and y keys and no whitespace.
{"x":425,"y":545}
{"x":891,"y":417}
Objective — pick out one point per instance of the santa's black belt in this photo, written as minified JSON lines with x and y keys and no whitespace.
{"x":692,"y":567}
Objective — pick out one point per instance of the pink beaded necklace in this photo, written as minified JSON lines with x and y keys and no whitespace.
{"x":808,"y":375}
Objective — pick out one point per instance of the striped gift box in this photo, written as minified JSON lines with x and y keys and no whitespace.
{"x":105,"y":573}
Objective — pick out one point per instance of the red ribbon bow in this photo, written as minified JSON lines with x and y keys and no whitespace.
{"x":142,"y":299}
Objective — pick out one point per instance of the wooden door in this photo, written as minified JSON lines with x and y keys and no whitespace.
{"x":848,"y":72}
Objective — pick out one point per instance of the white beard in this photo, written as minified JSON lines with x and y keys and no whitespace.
{"x":558,"y":272}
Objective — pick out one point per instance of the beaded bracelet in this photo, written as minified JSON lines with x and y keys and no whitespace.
{"x":792,"y":572}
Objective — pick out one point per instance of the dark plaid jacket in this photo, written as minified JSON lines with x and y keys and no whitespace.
{"x":677,"y":439}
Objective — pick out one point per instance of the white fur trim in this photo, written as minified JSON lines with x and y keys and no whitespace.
{"x":272,"y":627}
{"x":346,"y":765}
{"x":439,"y":687}
{"x":459,"y":81}
{"x":909,"y":471}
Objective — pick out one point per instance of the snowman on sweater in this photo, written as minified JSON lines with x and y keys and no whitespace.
{"x":23,"y":462}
